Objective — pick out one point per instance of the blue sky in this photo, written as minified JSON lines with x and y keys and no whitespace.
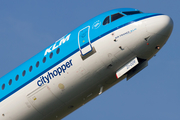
{"x":27,"y":27}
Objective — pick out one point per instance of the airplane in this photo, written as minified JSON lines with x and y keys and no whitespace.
{"x":83,"y":64}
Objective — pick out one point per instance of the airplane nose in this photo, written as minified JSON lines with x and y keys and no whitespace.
{"x":158,"y":29}
{"x":161,"y":25}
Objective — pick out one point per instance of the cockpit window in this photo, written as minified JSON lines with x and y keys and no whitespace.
{"x":132,"y":12}
{"x":116,"y":16}
{"x":106,"y":21}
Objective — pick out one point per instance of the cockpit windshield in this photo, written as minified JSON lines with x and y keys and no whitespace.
{"x":131,"y":12}
{"x":113,"y":18}
{"x":116,"y":16}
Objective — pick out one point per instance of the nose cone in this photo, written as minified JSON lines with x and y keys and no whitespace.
{"x":158,"y":29}
{"x":161,"y":25}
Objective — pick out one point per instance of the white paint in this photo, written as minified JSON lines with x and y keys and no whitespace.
{"x":126,"y":68}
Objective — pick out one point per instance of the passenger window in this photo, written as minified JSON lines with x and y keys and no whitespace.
{"x":17,"y":77}
{"x":24,"y":72}
{"x":3,"y":86}
{"x":51,"y":55}
{"x":10,"y":81}
{"x":106,"y":21}
{"x":30,"y":68}
{"x":37,"y":64}
{"x":58,"y":50}
{"x":132,"y":12}
{"x":116,"y":16}
{"x":44,"y":59}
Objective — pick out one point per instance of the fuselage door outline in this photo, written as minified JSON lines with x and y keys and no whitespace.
{"x":84,"y":41}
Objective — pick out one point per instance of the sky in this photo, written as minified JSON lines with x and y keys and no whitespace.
{"x":27,"y":27}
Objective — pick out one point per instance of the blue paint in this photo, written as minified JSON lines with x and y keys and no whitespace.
{"x":65,"y":52}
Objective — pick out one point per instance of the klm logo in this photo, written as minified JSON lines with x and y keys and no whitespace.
{"x":57,"y":44}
